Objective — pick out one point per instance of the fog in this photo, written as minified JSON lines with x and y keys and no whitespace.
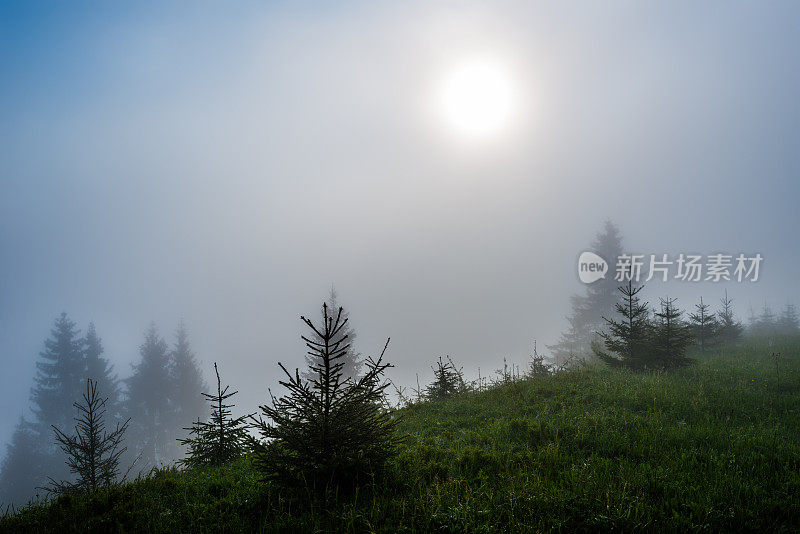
{"x":228,"y":166}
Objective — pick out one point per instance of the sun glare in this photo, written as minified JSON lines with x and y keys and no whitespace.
{"x":477,"y":98}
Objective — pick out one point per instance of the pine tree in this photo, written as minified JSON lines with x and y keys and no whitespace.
{"x":23,"y":467}
{"x":221,"y":439}
{"x":60,"y":374}
{"x":67,"y":361}
{"x":788,"y":323}
{"x":730,"y":330}
{"x":447,"y":380}
{"x":589,"y":310}
{"x":148,"y":402}
{"x":188,"y":387}
{"x":537,"y":366}
{"x":328,"y":433}
{"x":670,"y":336}
{"x":92,"y":452}
{"x":100,"y":369}
{"x":704,"y":327}
{"x":765,"y":324}
{"x":626,"y":342}
{"x":752,"y":321}
{"x":351,"y":360}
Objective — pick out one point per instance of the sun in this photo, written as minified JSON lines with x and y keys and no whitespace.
{"x":477,"y":98}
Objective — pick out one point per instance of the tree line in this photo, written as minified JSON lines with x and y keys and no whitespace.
{"x":139,"y":423}
{"x":329,"y":433}
{"x":587,"y":335}
{"x":161,"y":395}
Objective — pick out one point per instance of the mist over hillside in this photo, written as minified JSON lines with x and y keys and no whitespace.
{"x":443,"y":167}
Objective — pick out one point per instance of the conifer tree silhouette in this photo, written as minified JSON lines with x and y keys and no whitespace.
{"x":670,"y":336}
{"x":447,"y":380}
{"x":626,"y":339}
{"x":730,"y":330}
{"x":222,"y":438}
{"x":92,"y":452}
{"x":705,"y":326}
{"x":329,"y":432}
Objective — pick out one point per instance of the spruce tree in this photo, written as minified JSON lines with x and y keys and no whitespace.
{"x":188,"y":387}
{"x":60,"y":375}
{"x":765,"y":324}
{"x":704,"y":327}
{"x":23,"y":467}
{"x":670,"y":336}
{"x":220,"y":440}
{"x":351,"y":360}
{"x":730,"y":330}
{"x":92,"y":452}
{"x":67,"y":361}
{"x":537,"y":366}
{"x":590,"y":309}
{"x":148,"y":403}
{"x":330,"y":432}
{"x":626,"y":342}
{"x":788,"y":323}
{"x":98,"y":368}
{"x":447,"y":380}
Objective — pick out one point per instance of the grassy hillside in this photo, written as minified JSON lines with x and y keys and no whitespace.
{"x":712,"y":447}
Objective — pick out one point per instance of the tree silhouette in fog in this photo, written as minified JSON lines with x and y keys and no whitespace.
{"x":625,"y":343}
{"x":60,"y":375}
{"x":788,"y":322}
{"x":221,"y":439}
{"x":148,"y":403}
{"x":22,"y":468}
{"x":328,"y":432}
{"x":671,"y":336}
{"x":92,"y":452}
{"x":98,"y":368}
{"x":187,"y":385}
{"x":730,"y":329}
{"x":705,"y":327}
{"x":588,"y":310}
{"x":351,"y":360}
{"x":447,"y":380}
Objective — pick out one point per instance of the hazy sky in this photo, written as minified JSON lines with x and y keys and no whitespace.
{"x":226,"y":165}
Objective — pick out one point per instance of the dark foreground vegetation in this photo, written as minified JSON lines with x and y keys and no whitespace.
{"x":710,"y":447}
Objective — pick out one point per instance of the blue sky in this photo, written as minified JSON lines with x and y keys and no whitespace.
{"x":226,"y":165}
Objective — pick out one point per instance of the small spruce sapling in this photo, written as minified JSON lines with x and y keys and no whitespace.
{"x":537,"y":366}
{"x":626,"y":342}
{"x":221,"y":439}
{"x":705,"y":327}
{"x":730,"y":330}
{"x":670,"y":336}
{"x":329,"y":432}
{"x":448,"y":380}
{"x":92,"y":453}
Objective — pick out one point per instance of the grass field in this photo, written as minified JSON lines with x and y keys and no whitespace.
{"x":712,"y":447}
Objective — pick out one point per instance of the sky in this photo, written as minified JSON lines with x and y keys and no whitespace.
{"x":226,"y":165}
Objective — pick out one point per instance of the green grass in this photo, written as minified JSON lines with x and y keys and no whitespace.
{"x":713,"y":447}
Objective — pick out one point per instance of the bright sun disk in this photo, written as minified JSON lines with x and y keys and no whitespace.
{"x":477,"y":98}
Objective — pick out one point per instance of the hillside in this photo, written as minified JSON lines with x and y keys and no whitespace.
{"x":713,"y":447}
